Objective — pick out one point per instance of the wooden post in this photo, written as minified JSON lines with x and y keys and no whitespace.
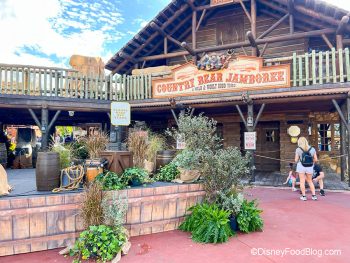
{"x":339,"y":40}
{"x":348,"y":130}
{"x":346,"y":122}
{"x":253,"y":24}
{"x":343,"y":139}
{"x":250,"y":126}
{"x":44,"y":128}
{"x":194,"y":35}
{"x":165,"y":45}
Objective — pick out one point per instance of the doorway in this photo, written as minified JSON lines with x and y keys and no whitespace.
{"x":268,"y":144}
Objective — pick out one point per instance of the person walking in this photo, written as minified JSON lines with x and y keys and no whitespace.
{"x":305,"y":157}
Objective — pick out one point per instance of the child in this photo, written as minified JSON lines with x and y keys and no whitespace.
{"x":292,"y":178}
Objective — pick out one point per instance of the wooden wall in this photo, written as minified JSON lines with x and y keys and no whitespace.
{"x":208,"y":34}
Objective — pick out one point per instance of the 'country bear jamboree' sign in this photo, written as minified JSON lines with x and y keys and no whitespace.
{"x":242,"y":74}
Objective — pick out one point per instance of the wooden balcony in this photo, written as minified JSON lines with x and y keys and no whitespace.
{"x":315,"y":68}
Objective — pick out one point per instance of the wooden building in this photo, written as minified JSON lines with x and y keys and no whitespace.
{"x":297,"y":52}
{"x":308,"y":36}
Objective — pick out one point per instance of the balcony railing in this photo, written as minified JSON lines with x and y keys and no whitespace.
{"x":56,"y":82}
{"x":313,"y":68}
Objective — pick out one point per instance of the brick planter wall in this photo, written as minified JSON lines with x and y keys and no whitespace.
{"x":36,"y":223}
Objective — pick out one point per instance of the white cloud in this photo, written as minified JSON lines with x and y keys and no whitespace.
{"x":40,"y":24}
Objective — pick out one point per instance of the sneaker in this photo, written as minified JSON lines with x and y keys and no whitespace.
{"x":314,"y":197}
{"x":294,"y":189}
{"x":322,"y":192}
{"x":303,"y":198}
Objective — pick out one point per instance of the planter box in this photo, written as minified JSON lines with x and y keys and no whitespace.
{"x":118,"y":161}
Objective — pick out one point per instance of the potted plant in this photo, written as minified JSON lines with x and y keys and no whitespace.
{"x":95,"y":144}
{"x":231,"y":202}
{"x":188,"y":163}
{"x":155,"y":144}
{"x":136,"y":176}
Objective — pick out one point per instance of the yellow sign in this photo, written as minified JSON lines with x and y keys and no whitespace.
{"x":243,"y":74}
{"x":120,"y":113}
{"x":220,"y":2}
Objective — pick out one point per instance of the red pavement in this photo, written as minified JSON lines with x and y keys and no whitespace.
{"x":289,"y":224}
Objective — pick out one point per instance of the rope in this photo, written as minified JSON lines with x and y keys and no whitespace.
{"x":284,"y":160}
{"x":73,"y":182}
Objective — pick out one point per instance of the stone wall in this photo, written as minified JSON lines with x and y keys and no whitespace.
{"x":36,"y":223}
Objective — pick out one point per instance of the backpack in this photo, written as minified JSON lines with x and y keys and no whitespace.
{"x":307,"y":159}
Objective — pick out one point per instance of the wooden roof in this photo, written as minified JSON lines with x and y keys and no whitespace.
{"x":176,"y":20}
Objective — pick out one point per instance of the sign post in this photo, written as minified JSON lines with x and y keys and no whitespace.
{"x":120,"y":116}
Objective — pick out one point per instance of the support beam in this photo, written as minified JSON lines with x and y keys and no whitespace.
{"x":269,"y":40}
{"x":291,"y":16}
{"x":163,"y":56}
{"x":191,"y":4}
{"x":244,"y":51}
{"x":314,"y":14}
{"x":245,"y":11}
{"x":339,"y":40}
{"x":343,"y":144}
{"x":329,"y":44}
{"x":252,"y":42}
{"x":194,"y":25}
{"x":164,"y":34}
{"x":259,"y":115}
{"x":175,"y":117}
{"x":127,"y":57}
{"x":188,"y":48}
{"x":201,"y":19}
{"x":264,"y":49}
{"x":274,"y":26}
{"x":165,"y":45}
{"x":44,"y":128}
{"x":52,"y":122}
{"x":255,"y":51}
{"x":35,"y":118}
{"x":241,"y":115}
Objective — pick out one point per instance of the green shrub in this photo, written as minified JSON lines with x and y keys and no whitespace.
{"x":230,"y":202}
{"x":223,"y":170}
{"x":249,"y":219}
{"x":65,"y":153}
{"x":99,"y":242}
{"x":112,"y":181}
{"x":80,"y":150}
{"x":167,"y":173}
{"x":208,"y":224}
{"x":136,"y":174}
{"x":188,"y":159}
{"x":198,"y":131}
{"x":115,"y":210}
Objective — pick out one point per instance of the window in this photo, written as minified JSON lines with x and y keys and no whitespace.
{"x":270,"y":136}
{"x":328,"y":136}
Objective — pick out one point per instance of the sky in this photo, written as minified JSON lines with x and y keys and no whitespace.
{"x":48,"y":32}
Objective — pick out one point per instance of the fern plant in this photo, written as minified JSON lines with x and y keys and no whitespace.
{"x":208,"y":224}
{"x":249,"y":219}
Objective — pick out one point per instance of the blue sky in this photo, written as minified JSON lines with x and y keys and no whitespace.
{"x":48,"y":32}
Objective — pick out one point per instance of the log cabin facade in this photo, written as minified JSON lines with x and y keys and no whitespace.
{"x":309,"y":36}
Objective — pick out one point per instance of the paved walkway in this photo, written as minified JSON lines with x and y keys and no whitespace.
{"x":289,"y":224}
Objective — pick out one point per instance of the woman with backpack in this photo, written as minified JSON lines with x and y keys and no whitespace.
{"x":305,"y":157}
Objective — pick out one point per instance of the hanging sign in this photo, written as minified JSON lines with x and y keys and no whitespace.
{"x":220,"y":2}
{"x":250,"y":141}
{"x":180,"y":143}
{"x":120,"y":113}
{"x":242,"y":74}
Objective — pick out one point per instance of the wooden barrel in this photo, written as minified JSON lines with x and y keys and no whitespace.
{"x":3,"y":154}
{"x":47,"y":171}
{"x":164,"y":157}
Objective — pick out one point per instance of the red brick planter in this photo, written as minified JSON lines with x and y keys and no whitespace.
{"x":36,"y":223}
